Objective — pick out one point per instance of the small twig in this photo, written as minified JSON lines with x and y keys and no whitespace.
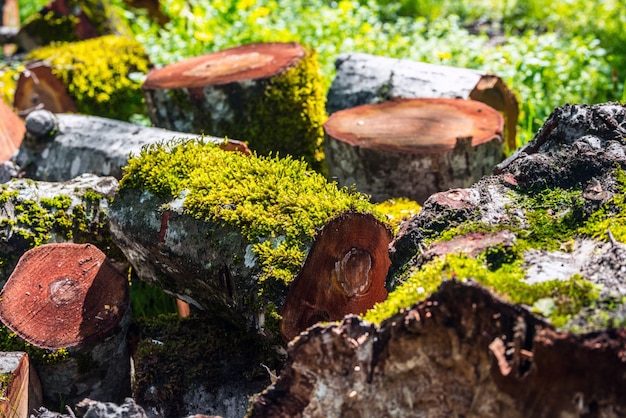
{"x":69,"y":410}
{"x":611,"y":237}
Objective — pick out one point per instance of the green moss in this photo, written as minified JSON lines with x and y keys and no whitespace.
{"x":287,"y":119}
{"x":277,"y":204}
{"x":9,"y":341}
{"x":569,"y":296}
{"x":611,"y":216}
{"x":97,"y":73}
{"x":398,"y":210}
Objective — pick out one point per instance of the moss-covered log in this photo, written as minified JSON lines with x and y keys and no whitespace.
{"x":223,"y":231}
{"x":413,"y":147}
{"x":99,"y":74}
{"x":34,"y":213}
{"x":270,"y":95}
{"x":368,"y":79}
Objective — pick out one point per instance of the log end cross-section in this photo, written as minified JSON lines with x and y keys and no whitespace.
{"x":64,"y":295}
{"x":247,"y":62}
{"x":344,"y":273}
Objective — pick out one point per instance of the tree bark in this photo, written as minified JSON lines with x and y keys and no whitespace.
{"x":240,"y":92}
{"x":413,"y":147}
{"x":368,"y":79}
{"x":61,"y":147}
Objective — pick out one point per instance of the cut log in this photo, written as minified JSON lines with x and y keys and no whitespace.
{"x":98,"y":75}
{"x":344,"y":273}
{"x":20,"y":388}
{"x":239,"y":93}
{"x":368,"y":79}
{"x":71,"y":296}
{"x":61,"y":147}
{"x":413,"y":147}
{"x":38,"y":88}
{"x":12,"y":131}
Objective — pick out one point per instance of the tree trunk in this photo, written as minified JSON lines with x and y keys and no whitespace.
{"x":20,"y":389}
{"x":368,"y":79}
{"x":240,"y":93}
{"x":413,"y":147}
{"x":71,"y":296}
{"x":12,"y":131}
{"x":61,"y":147}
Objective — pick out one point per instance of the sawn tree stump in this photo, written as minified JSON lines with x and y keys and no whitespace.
{"x":71,"y":296}
{"x":11,"y":132}
{"x":269,"y":95}
{"x":413,"y":147}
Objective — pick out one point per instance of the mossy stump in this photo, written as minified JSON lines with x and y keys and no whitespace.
{"x":413,"y":147}
{"x":267,"y":94}
{"x":97,"y":74}
{"x":70,"y":296}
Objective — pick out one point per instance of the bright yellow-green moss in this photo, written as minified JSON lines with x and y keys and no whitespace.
{"x":98,"y":74}
{"x":51,"y":27}
{"x":278,"y":204}
{"x":288,"y":118}
{"x":506,"y":281}
{"x":9,"y":341}
{"x":8,"y":82}
{"x":398,"y":210}
{"x":611,"y":216}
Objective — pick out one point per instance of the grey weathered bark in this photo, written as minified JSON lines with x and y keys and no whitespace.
{"x":414,"y":147}
{"x":31,"y":215}
{"x":367,"y":79}
{"x":461,"y":352}
{"x":61,"y":147}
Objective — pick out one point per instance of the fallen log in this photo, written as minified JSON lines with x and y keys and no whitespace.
{"x":98,"y":75}
{"x":34,"y":213}
{"x":12,"y":131}
{"x":239,"y":93}
{"x":368,"y":79}
{"x":20,"y":389}
{"x":517,"y":279}
{"x":61,"y":147}
{"x":460,"y":352}
{"x":70,"y":296}
{"x":414,"y":147}
{"x":226,"y":232}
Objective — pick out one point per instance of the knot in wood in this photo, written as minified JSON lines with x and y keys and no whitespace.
{"x":64,"y":290}
{"x":351,"y":273}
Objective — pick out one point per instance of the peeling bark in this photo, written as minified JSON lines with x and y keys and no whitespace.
{"x":461,"y":352}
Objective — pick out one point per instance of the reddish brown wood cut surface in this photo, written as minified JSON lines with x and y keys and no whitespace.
{"x":344,"y":273}
{"x":247,"y":62}
{"x":417,"y":126}
{"x":62,"y":295}
{"x":12,"y":131}
{"x":38,"y":87}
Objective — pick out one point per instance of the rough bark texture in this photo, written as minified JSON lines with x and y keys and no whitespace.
{"x":367,"y":79}
{"x":461,"y":352}
{"x":28,"y":216}
{"x":414,"y":147}
{"x":61,"y":147}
